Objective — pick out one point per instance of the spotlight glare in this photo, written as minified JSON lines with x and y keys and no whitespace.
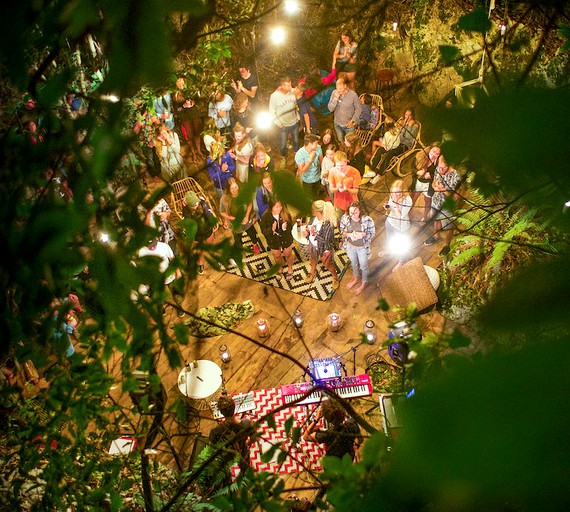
{"x":291,"y":6}
{"x":263,"y":120}
{"x":399,"y":244}
{"x":395,"y":26}
{"x":104,"y":238}
{"x":277,"y":35}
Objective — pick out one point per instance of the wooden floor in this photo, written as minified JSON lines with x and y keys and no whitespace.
{"x":255,"y":367}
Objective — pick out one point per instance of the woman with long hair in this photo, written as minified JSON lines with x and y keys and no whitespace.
{"x":264,"y":194}
{"x":241,"y":152}
{"x":276,"y":227}
{"x":389,"y":142}
{"x":422,"y":180}
{"x":167,"y":147}
{"x":320,"y":232}
{"x":397,"y":212}
{"x":230,"y":209}
{"x":344,"y":57}
{"x":260,"y":162}
{"x":354,"y":152}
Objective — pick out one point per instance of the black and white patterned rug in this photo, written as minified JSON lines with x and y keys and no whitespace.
{"x":256,"y":267}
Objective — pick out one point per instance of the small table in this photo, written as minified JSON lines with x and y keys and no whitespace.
{"x":302,"y":242}
{"x":200,"y":379}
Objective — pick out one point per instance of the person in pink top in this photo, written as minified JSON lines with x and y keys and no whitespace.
{"x":344,"y":181}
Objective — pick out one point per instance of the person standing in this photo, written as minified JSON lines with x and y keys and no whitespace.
{"x":308,"y":160}
{"x":346,"y":106}
{"x":344,"y":57}
{"x":344,"y":181}
{"x":276,"y":227}
{"x":221,"y":166}
{"x":446,"y":181}
{"x":357,"y":231}
{"x":397,"y":212}
{"x":320,"y":232}
{"x":283,"y":108}
{"x":167,"y":146}
{"x":163,"y":108}
{"x":197,"y":208}
{"x":219,"y":110}
{"x":247,"y":83}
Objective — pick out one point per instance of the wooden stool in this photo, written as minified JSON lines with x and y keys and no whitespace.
{"x":385,"y":80}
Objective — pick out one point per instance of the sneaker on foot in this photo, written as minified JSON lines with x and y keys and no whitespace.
{"x":233,"y":262}
{"x":444,"y":251}
{"x":431,"y":240}
{"x":375,"y":180}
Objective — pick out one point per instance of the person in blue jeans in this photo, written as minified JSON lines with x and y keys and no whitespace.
{"x":346,"y":106}
{"x":357,"y":231}
{"x":283,"y":108}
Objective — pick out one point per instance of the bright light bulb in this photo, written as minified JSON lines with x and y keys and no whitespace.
{"x":503,"y":28}
{"x":291,"y":6}
{"x":399,"y":244}
{"x":104,"y":238}
{"x":263,"y":120}
{"x":395,"y":26}
{"x":277,"y":35}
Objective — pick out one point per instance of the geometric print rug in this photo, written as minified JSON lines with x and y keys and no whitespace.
{"x":255,"y":267}
{"x":301,"y":456}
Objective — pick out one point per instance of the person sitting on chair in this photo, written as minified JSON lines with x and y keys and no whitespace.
{"x":342,"y":435}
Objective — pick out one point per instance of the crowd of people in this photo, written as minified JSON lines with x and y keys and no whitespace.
{"x":330,"y":163}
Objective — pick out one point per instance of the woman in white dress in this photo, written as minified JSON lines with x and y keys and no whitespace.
{"x":167,"y":146}
{"x":241,"y":152}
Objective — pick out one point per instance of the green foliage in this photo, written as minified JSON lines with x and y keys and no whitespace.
{"x":476,"y":21}
{"x":449,"y":54}
{"x":564,"y":31}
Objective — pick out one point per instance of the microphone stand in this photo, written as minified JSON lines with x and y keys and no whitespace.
{"x":353,"y":349}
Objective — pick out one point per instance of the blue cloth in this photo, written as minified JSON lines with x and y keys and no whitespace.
{"x":321,"y":100}
{"x":313,"y":173}
{"x":220,"y":177}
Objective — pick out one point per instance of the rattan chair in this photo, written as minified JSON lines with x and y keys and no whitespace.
{"x":179,"y":189}
{"x":366,"y":136}
{"x":395,"y":164}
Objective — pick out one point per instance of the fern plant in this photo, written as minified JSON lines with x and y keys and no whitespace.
{"x":497,"y":237}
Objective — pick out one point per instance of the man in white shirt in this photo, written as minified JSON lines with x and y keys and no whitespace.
{"x":283,"y":108}
{"x":164,"y":252}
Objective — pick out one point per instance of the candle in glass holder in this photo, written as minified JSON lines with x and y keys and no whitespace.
{"x":298,"y":318}
{"x":225,"y":355}
{"x":334,"y":322}
{"x":369,"y":331}
{"x":263,"y":328}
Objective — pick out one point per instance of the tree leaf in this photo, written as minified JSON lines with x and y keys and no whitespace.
{"x":476,"y":21}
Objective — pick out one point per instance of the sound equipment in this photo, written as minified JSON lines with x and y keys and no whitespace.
{"x":325,"y":369}
{"x":346,"y":387}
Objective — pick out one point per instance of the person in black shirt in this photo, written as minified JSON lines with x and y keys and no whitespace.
{"x":341,"y":437}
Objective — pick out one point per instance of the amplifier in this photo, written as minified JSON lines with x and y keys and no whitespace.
{"x":325,"y":369}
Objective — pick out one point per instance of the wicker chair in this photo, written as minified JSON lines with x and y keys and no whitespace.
{"x":179,"y":189}
{"x":367,"y":135}
{"x":395,"y":164}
